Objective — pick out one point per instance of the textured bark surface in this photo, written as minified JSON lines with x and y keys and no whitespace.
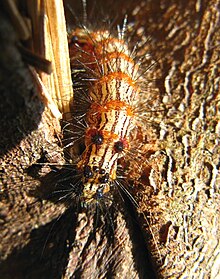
{"x":179,"y":230}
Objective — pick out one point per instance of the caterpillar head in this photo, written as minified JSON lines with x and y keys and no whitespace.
{"x":98,"y":165}
{"x":96,"y":183}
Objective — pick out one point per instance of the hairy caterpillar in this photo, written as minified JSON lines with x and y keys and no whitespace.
{"x":113,"y":93}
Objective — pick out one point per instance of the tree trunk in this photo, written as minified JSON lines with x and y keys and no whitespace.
{"x":174,"y":232}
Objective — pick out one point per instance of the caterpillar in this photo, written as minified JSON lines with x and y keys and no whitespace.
{"x":113,"y":93}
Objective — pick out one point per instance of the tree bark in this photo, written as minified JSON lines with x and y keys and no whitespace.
{"x":174,"y":232}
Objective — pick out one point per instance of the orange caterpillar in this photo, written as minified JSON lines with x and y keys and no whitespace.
{"x":113,"y":92}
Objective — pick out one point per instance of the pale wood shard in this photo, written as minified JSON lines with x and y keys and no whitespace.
{"x":50,"y":40}
{"x":60,"y":53}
